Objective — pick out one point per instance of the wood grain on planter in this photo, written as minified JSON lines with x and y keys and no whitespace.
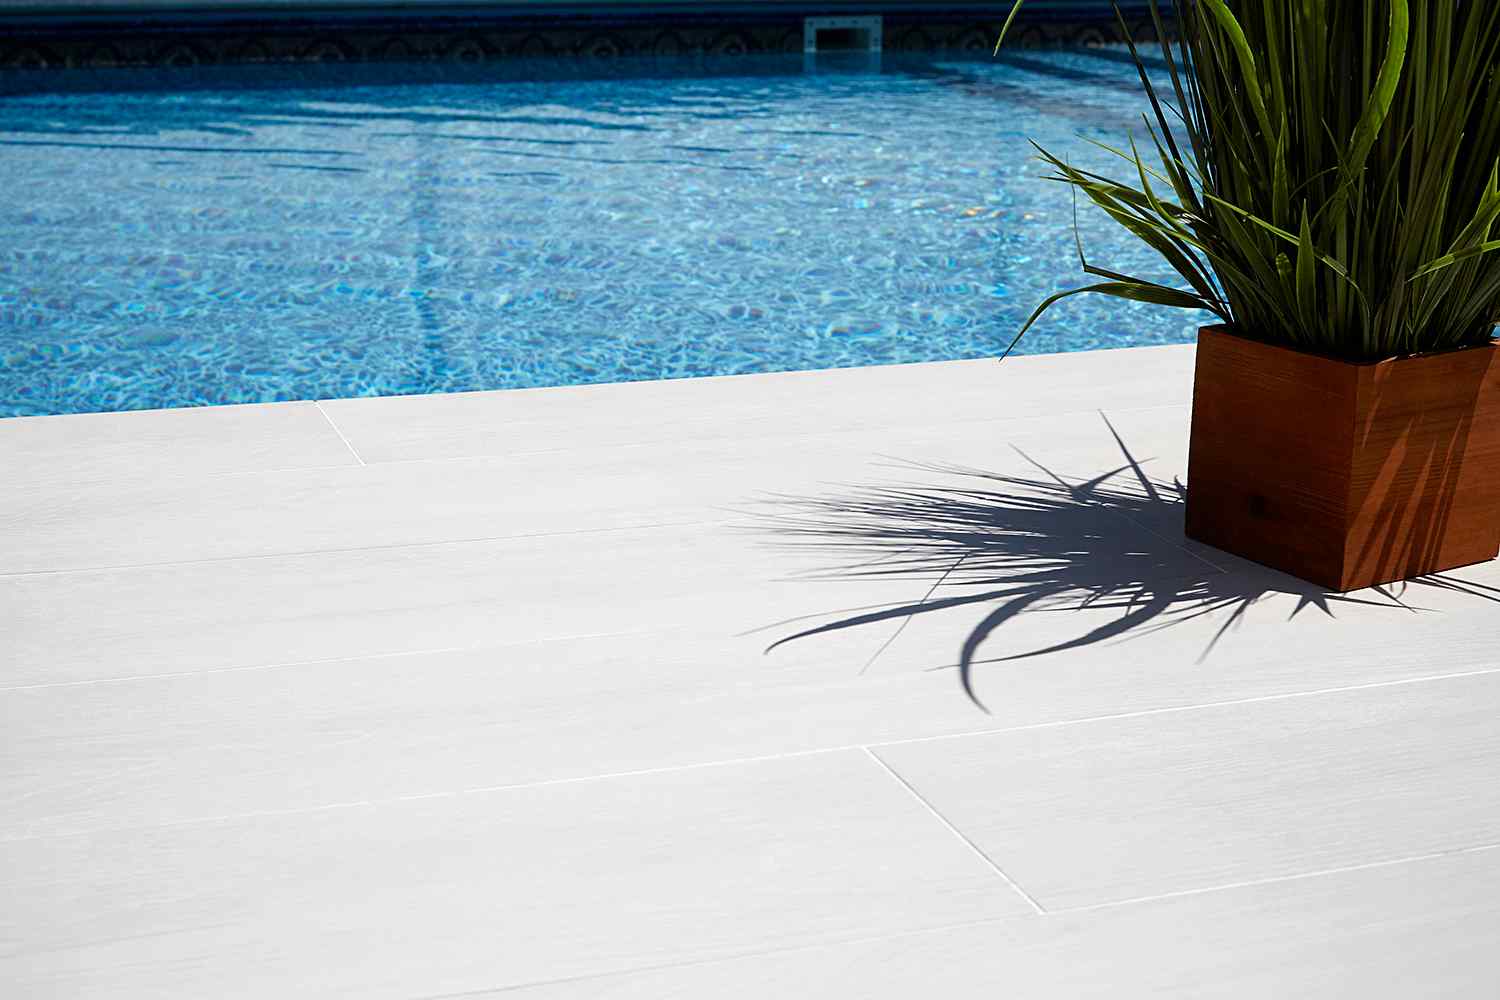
{"x":1346,"y":474}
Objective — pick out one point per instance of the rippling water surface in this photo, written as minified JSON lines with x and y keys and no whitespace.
{"x":310,"y":232}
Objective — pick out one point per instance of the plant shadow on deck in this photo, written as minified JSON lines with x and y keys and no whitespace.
{"x":1018,"y":543}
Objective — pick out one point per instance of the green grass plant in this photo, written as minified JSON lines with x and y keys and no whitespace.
{"x":1322,"y":174}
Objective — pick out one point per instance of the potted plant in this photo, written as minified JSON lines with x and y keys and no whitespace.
{"x":1326,"y":181}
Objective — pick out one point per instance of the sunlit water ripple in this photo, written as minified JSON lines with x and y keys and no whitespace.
{"x":294,"y":233}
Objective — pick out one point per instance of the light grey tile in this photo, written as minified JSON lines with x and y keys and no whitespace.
{"x":1420,"y":929}
{"x":456,"y":893}
{"x":87,"y":757}
{"x":449,"y":665}
{"x":1118,"y":809}
{"x":91,"y":756}
{"x":91,"y":448}
{"x":145,"y":523}
{"x":286,"y":608}
{"x":735,"y":408}
{"x":708,"y":579}
{"x":136,"y":522}
{"x":690,"y":589}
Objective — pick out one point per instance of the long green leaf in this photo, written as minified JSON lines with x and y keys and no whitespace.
{"x":1139,"y":291}
{"x":1449,"y":259}
{"x":1328,"y":178}
{"x":1379,"y":104}
{"x":1005,"y":28}
{"x":1306,"y":266}
{"x":1253,"y":87}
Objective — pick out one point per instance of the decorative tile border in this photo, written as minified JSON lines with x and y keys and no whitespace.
{"x":126,"y":44}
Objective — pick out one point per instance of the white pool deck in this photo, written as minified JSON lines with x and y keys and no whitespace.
{"x":470,"y":694}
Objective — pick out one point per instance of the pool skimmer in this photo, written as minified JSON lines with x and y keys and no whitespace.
{"x":841,"y":34}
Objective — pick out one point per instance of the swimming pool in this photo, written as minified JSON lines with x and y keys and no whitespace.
{"x":267,"y":233}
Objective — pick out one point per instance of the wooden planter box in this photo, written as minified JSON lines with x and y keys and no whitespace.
{"x":1347,"y":475}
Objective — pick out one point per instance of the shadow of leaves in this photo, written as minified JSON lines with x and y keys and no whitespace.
{"x":1006,"y":544}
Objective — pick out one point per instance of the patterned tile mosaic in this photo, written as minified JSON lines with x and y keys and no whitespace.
{"x":474,"y":40}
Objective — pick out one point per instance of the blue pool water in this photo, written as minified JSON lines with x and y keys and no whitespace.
{"x":309,"y":232}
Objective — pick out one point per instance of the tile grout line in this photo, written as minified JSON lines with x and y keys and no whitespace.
{"x":868,"y":749}
{"x":907,"y":620}
{"x":237,"y":668}
{"x":664,"y":629}
{"x":954,"y":830}
{"x":429,"y":796}
{"x":716,"y":959}
{"x":319,"y":405}
{"x":489,"y":456}
{"x":1200,"y":706}
{"x":1275,"y":879}
{"x":1180,"y":544}
{"x":325,"y":660}
{"x":925,"y":931}
{"x":650,"y":526}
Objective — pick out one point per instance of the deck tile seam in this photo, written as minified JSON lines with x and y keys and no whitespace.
{"x":336,"y":430}
{"x":665,"y":629}
{"x":866,"y":747}
{"x":1277,"y":879}
{"x":1045,"y":916}
{"x":728,"y":957}
{"x":907,"y":620}
{"x":954,"y":830}
{"x":319,"y":661}
{"x":1179,"y":543}
{"x":91,"y":480}
{"x":429,"y":796}
{"x":735,"y":433}
{"x":292,"y":553}
{"x":1195,"y":707}
{"x":730,"y":435}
